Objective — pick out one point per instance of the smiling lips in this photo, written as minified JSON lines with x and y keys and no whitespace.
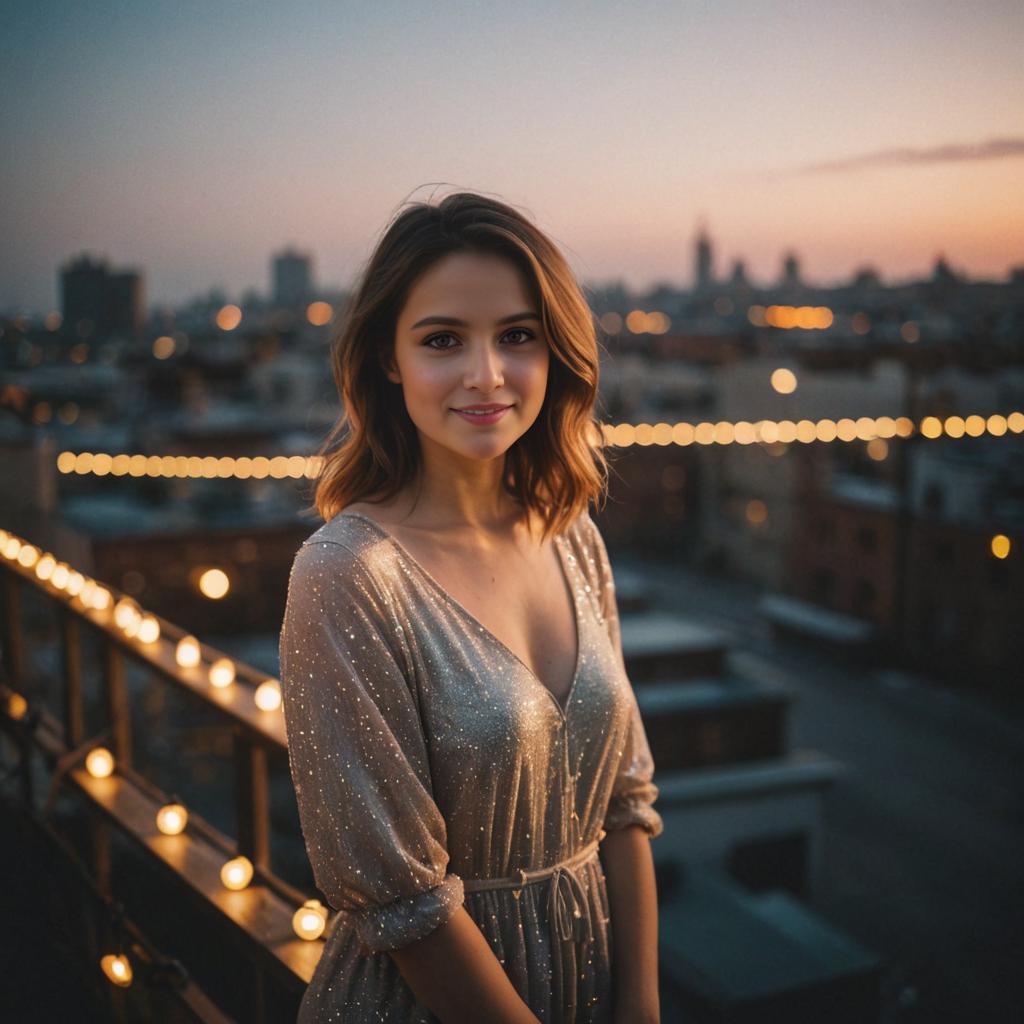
{"x":483,"y":413}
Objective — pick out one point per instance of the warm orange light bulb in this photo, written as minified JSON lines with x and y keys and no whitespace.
{"x":268,"y":695}
{"x":188,"y":653}
{"x":222,"y":673}
{"x":171,"y":819}
{"x":310,"y":920}
{"x":237,"y":873}
{"x":118,"y":969}
{"x":100,"y":763}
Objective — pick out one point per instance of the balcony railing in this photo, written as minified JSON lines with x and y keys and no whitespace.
{"x":279,"y":934}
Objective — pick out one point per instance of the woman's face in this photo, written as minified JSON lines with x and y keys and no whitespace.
{"x":470,"y":335}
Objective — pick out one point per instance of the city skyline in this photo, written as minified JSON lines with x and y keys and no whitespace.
{"x":191,"y":145}
{"x":720,"y":276}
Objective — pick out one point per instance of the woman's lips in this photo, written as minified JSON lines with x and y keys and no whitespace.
{"x":482,"y":419}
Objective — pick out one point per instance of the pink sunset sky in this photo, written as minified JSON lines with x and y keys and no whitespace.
{"x":192,"y":140}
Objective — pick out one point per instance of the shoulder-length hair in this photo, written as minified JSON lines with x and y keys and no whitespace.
{"x":558,"y":465}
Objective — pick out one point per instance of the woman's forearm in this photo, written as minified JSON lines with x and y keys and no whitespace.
{"x":455,"y":974}
{"x":633,"y":901}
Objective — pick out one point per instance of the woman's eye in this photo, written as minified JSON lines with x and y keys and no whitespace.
{"x":527,"y":336}
{"x":434,"y":337}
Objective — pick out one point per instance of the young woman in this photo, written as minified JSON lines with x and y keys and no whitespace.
{"x":473,"y":778}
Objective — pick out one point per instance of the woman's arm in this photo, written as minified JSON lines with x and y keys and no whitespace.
{"x":376,"y":838}
{"x":454,"y":972}
{"x":632,"y":896}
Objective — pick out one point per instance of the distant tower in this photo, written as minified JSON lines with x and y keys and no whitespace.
{"x":738,"y":279}
{"x":293,"y":273}
{"x":96,"y":302}
{"x":791,"y":271}
{"x":942,"y":273}
{"x":704,"y":278}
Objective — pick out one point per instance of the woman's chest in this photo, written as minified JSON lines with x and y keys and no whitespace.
{"x":482,"y":705}
{"x":525,"y":606}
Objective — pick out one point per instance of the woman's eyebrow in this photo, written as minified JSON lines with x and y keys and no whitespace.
{"x":452,"y":321}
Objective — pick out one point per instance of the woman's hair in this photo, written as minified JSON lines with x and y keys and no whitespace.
{"x":557,"y":466}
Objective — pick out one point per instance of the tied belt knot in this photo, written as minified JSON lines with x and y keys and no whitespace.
{"x":568,"y":916}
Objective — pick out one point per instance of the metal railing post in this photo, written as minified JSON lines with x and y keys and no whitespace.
{"x":118,"y":708}
{"x":71,"y":642}
{"x":252,"y":796}
{"x":14,"y":651}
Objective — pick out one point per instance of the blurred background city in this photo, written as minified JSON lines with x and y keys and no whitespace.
{"x":801,"y":232}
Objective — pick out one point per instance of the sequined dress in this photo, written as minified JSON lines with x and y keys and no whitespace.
{"x":424,"y":753}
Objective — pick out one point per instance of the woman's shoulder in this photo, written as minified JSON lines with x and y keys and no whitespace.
{"x":582,"y":532}
{"x":580,"y":537}
{"x":345,"y":545}
{"x":588,"y":546}
{"x":348,"y":529}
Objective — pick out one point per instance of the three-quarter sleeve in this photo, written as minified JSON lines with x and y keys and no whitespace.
{"x":633,"y":790}
{"x":376,"y":840}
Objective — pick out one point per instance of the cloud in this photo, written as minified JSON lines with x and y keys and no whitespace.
{"x":906,"y":156}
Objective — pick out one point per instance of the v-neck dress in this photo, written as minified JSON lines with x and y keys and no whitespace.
{"x":424,"y":754}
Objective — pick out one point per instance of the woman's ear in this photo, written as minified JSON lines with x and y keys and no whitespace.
{"x":387,"y":364}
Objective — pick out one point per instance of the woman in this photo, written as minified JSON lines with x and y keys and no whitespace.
{"x":473,"y":779}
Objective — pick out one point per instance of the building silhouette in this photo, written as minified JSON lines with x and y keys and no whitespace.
{"x":97,"y":302}
{"x":292,"y":273}
{"x":738,"y":279}
{"x":704,"y":277}
{"x":791,"y":271}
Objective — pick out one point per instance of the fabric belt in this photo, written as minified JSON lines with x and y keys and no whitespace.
{"x":568,"y":917}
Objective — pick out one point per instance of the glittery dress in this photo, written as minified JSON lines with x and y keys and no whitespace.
{"x":424,"y":754}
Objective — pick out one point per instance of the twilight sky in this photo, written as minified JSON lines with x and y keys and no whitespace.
{"x":192,"y":139}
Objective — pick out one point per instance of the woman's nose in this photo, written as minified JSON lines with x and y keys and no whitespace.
{"x":485,"y":370}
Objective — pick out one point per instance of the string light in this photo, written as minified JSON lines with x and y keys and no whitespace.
{"x":149,"y":629}
{"x":214,"y":584}
{"x":100,"y":763}
{"x":28,"y":555}
{"x":126,"y":612}
{"x":16,"y":706}
{"x":310,"y":920}
{"x":187,"y":653}
{"x":620,"y":435}
{"x":268,"y":695}
{"x":117,"y":968}
{"x":171,"y":819}
{"x":236,"y":874}
{"x":222,"y":673}
{"x":140,"y":625}
{"x":277,"y":467}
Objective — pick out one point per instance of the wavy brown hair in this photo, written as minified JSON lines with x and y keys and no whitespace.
{"x":557,"y":467}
